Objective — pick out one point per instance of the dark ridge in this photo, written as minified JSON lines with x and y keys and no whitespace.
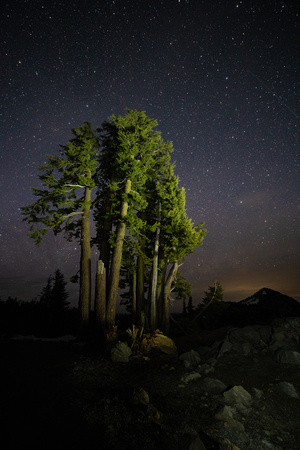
{"x":260,"y":308}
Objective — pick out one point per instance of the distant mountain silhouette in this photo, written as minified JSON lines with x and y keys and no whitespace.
{"x":260,"y":308}
{"x":266,"y":296}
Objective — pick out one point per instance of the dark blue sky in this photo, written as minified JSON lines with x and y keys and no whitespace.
{"x":221,"y":77}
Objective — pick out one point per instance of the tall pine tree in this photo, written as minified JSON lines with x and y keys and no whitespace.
{"x":129,"y":150}
{"x":65,"y":201}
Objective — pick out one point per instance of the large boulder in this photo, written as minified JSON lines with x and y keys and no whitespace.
{"x":121,"y":353}
{"x":286,"y":334}
{"x":213,"y":385}
{"x":242,"y":335}
{"x":238,"y":397}
{"x":190,"y":359}
{"x":288,"y":388}
{"x":227,"y":414}
{"x":164,"y":344}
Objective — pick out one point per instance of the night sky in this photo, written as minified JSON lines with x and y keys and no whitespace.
{"x":222,"y":79}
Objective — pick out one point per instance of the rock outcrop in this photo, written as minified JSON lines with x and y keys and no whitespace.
{"x":236,"y":408}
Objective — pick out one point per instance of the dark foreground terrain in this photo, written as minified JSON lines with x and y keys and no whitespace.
{"x":69,"y":396}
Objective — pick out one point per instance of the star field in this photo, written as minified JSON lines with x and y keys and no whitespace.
{"x":221,"y":77}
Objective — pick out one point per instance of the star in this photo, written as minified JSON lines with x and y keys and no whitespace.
{"x":224,"y":90}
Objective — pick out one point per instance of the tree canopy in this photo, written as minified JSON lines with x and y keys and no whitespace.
{"x":142,"y":228}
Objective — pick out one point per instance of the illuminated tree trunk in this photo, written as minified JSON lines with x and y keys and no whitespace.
{"x":116,"y":263}
{"x":100,"y":297}
{"x":85,"y":265}
{"x":153,"y":307}
{"x":166,"y":298}
{"x":134,"y":318}
{"x":140,"y":280}
{"x":160,"y":289}
{"x":105,"y":247}
{"x":140,"y":300}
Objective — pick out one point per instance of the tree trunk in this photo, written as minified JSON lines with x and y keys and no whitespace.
{"x":160,"y":289}
{"x":140,"y":297}
{"x":104,"y":247}
{"x":100,"y":297}
{"x":166,"y":299}
{"x":85,"y":266}
{"x":134,"y":318}
{"x":153,"y":298}
{"x":116,"y":263}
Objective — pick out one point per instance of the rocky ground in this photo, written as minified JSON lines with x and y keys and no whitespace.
{"x":225,"y":389}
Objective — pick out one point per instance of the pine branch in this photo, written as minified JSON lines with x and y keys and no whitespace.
{"x":75,"y":213}
{"x":75,"y":186}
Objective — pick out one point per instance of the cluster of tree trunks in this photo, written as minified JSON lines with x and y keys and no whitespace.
{"x":137,"y":205}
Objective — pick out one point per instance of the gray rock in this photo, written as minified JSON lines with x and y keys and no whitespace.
{"x":141,"y":397}
{"x":225,"y":347}
{"x":121,"y":353}
{"x":226,"y":444}
{"x":236,"y":395}
{"x":278,"y":341}
{"x":192,"y":441}
{"x":215,"y":348}
{"x":287,"y":357}
{"x":205,"y":369}
{"x":288,"y":389}
{"x":265,"y":334}
{"x":287,"y":332}
{"x":226,"y":414}
{"x":190,"y":359}
{"x":267,"y":445}
{"x":287,"y":323}
{"x":213,"y":385}
{"x":257,"y":393}
{"x":212,"y":361}
{"x":204,"y":350}
{"x":190,"y":377}
{"x":244,"y":348}
{"x":246,"y":334}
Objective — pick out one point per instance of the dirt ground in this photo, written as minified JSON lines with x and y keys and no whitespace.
{"x":69,"y":396}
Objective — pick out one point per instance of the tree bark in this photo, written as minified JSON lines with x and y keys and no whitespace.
{"x":105,"y":247}
{"x":134,"y":318}
{"x":153,"y":298}
{"x":85,"y":266}
{"x":100,"y":297}
{"x":160,"y":289}
{"x":140,"y":297}
{"x":116,"y":263}
{"x":166,"y":299}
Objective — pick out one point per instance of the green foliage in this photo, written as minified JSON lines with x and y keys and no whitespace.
{"x":130,"y":149}
{"x":181,"y":288}
{"x":59,"y":206}
{"x":158,"y":230}
{"x":214,"y":293}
